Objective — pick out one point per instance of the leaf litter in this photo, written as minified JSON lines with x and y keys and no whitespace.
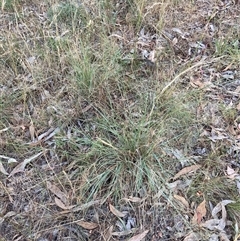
{"x":186,"y":170}
{"x":116,"y":212}
{"x":56,"y":191}
{"x":21,"y":166}
{"x":87,"y":225}
{"x":60,"y":204}
{"x":139,"y":237}
{"x":182,"y":200}
{"x":218,"y":223}
{"x":199,"y":213}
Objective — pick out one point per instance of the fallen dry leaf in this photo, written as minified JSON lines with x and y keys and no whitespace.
{"x":186,"y":170}
{"x":56,"y":191}
{"x":116,"y":212}
{"x":87,"y":225}
{"x":214,"y":237}
{"x":231,"y":173}
{"x":9,"y":159}
{"x":60,"y":204}
{"x":21,"y":166}
{"x":211,"y":224}
{"x":223,"y":236}
{"x":200,"y":212}
{"x":45,"y":134}
{"x":237,"y":90}
{"x":52,"y":134}
{"x":191,"y":237}
{"x":133,"y":199}
{"x":174,"y":41}
{"x":108,"y":234}
{"x":216,"y":223}
{"x":182,"y":200}
{"x":124,"y":233}
{"x":215,"y":138}
{"x":2,"y":169}
{"x":32,"y":132}
{"x":219,"y":207}
{"x":173,"y":186}
{"x":86,"y":205}
{"x":139,"y":237}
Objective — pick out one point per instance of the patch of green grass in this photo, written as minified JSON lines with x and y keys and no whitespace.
{"x":66,"y":13}
{"x":212,"y":188}
{"x":228,"y":113}
{"x":56,"y":45}
{"x":8,"y":5}
{"x":211,"y":181}
{"x":94,"y":72}
{"x":11,"y":56}
{"x":124,"y":148}
{"x":234,"y":211}
{"x":228,"y":47}
{"x":123,"y":144}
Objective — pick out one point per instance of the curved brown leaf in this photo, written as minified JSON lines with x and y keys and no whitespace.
{"x":60,"y":204}
{"x":116,"y":212}
{"x":139,"y":237}
{"x":186,"y":170}
{"x":87,"y":225}
{"x":200,"y":213}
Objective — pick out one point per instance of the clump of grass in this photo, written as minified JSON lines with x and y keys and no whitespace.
{"x":213,"y":188}
{"x":72,"y":16}
{"x":11,"y":56}
{"x":227,"y":47}
{"x":124,"y":150}
{"x":228,"y":113}
{"x":130,"y":123}
{"x":8,"y":5}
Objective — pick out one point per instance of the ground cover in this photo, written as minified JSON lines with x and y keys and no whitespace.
{"x":119,"y":120}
